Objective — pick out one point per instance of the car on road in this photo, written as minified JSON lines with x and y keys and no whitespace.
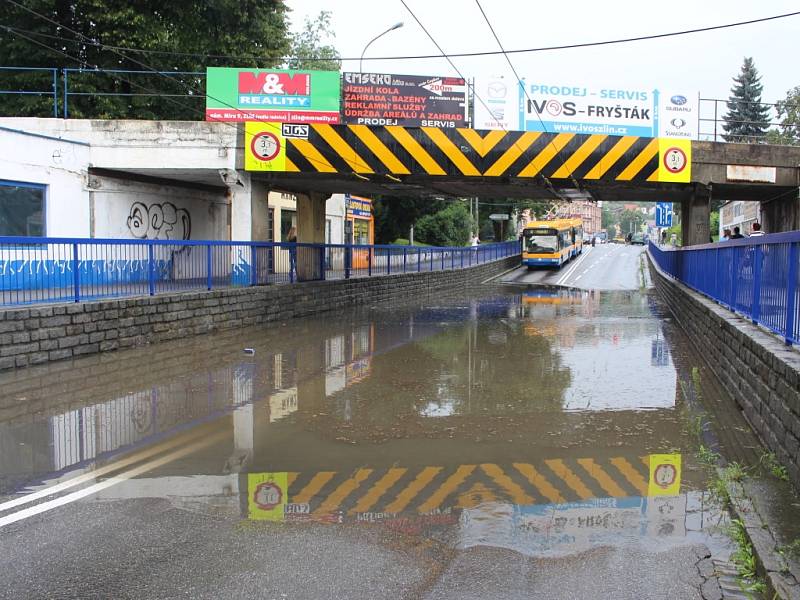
{"x":638,"y":239}
{"x":618,"y":240}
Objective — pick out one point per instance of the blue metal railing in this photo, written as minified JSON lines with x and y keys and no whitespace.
{"x":53,"y":84}
{"x":34,"y":270}
{"x":756,"y":277}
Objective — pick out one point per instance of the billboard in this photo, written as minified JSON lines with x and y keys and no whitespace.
{"x":497,"y":103}
{"x":643,"y":112}
{"x":407,"y":100}
{"x":272,"y":95}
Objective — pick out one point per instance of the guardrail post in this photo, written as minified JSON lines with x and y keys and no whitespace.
{"x":419,"y":259}
{"x":389,"y":261}
{"x":461,"y":256}
{"x":253,"y":265}
{"x":369,"y":261}
{"x":66,"y":93}
{"x":756,"y":309}
{"x":442,"y":252}
{"x":76,"y":275}
{"x":791,"y":292}
{"x":405,"y":258}
{"x":55,"y":93}
{"x":151,"y":269}
{"x":348,"y":252}
{"x":322,"y":262}
{"x":209,"y":267}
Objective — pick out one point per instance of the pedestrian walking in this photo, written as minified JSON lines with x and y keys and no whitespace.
{"x":755,"y":230}
{"x":291,"y":237}
{"x":737,"y":234}
{"x":726,"y":235}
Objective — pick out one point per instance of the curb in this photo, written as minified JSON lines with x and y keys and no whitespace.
{"x":782,"y":583}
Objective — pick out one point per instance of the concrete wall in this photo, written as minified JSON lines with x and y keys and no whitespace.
{"x":58,"y":164}
{"x":130,"y":209}
{"x":756,"y":369}
{"x":31,"y":336}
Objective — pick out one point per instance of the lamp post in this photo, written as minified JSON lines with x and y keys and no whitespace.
{"x":369,"y":43}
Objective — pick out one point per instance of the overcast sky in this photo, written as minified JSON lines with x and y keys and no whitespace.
{"x":701,"y":62}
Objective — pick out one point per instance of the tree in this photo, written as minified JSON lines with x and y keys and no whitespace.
{"x":747,"y":119}
{"x":164,"y":36}
{"x":394,"y":217}
{"x":310,"y":49}
{"x":788,"y":109}
{"x":450,"y":226}
{"x":631,"y":221}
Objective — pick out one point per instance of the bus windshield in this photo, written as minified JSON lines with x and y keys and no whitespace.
{"x":541,"y":241}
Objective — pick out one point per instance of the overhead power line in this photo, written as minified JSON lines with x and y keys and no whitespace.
{"x":252,"y":57}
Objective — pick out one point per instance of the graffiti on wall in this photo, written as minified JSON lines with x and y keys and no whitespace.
{"x":159,"y":222}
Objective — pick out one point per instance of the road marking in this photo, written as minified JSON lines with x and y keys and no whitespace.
{"x":91,"y":476}
{"x":573,"y":267}
{"x":93,"y":489}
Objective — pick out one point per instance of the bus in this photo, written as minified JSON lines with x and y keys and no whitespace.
{"x":551,"y":243}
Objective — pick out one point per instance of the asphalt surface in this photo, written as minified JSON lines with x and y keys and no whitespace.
{"x":495,"y":446}
{"x":602,"y":267}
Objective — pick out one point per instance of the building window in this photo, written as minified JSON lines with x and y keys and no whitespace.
{"x":22,"y":208}
{"x":288,"y":220}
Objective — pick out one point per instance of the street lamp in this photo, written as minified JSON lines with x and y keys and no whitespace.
{"x":392,"y":28}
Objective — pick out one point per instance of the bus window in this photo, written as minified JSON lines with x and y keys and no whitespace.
{"x":541,"y":242}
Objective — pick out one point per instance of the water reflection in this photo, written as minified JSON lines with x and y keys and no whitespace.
{"x":511,"y":419}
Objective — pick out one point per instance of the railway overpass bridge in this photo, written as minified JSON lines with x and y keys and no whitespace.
{"x":316,"y":160}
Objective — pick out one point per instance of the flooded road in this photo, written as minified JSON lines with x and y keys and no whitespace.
{"x":515,"y":443}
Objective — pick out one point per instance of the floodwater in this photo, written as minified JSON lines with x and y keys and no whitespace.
{"x":542,"y":421}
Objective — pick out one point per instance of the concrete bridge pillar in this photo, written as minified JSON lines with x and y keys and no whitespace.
{"x":310,"y":230}
{"x":248,"y":205}
{"x":695,"y":215}
{"x":781,"y":214}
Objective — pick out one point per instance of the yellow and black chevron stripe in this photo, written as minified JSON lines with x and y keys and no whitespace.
{"x":424,"y":489}
{"x":399,"y":151}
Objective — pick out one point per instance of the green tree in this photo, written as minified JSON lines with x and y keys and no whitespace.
{"x":450,"y":226}
{"x":394,"y":216}
{"x":166,"y":36}
{"x":747,"y":119}
{"x":788,"y":109}
{"x":310,"y":48}
{"x":631,"y":221}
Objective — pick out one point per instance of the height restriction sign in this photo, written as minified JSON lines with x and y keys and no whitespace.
{"x":264,"y":147}
{"x":674,"y":160}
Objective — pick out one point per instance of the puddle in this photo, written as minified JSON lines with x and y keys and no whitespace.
{"x":545,"y":422}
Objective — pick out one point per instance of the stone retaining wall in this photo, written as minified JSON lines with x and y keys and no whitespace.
{"x":30,"y":336}
{"x":754,"y":366}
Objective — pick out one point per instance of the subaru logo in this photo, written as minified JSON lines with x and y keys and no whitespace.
{"x":678,"y":123}
{"x":678,"y":100}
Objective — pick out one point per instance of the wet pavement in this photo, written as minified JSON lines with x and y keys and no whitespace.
{"x":516,"y":443}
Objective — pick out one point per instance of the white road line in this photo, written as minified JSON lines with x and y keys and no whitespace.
{"x":65,"y":485}
{"x":93,"y":489}
{"x":572,"y":268}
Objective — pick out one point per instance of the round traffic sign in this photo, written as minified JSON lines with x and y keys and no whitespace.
{"x":675,"y":160}
{"x":265,"y":146}
{"x":267,"y":495}
{"x":664,"y":475}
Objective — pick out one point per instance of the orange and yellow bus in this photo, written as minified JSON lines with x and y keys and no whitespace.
{"x":551,"y":243}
